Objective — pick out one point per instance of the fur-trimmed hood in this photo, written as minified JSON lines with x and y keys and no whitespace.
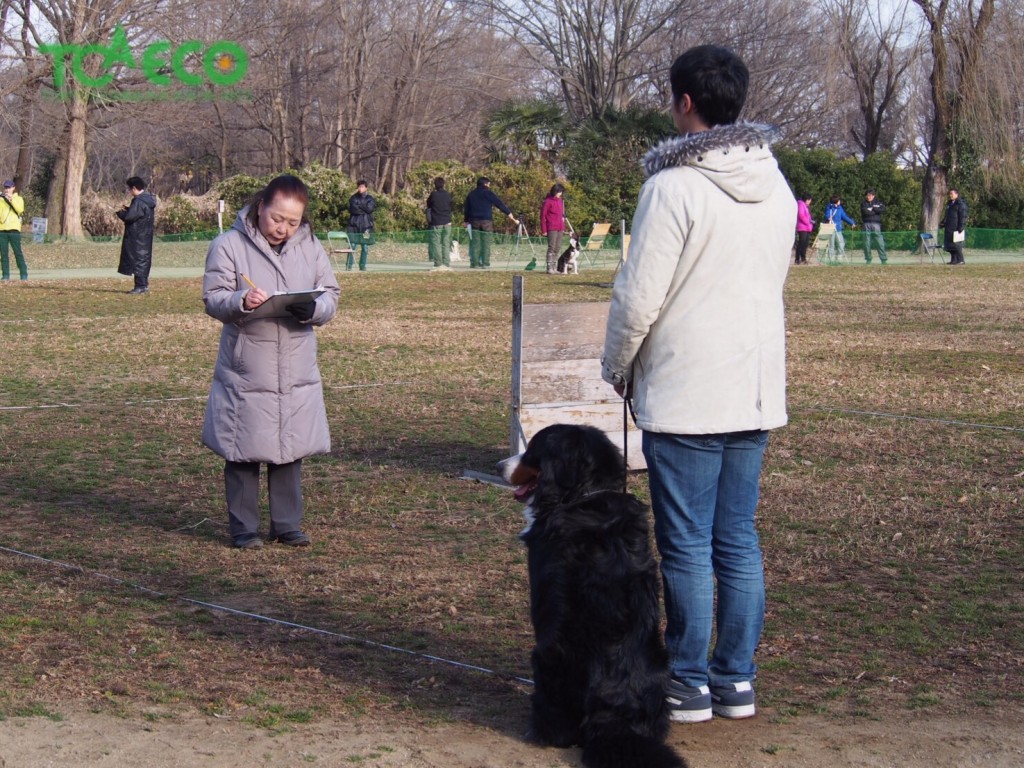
{"x":736,"y":157}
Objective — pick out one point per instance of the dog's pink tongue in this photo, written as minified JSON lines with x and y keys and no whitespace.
{"x":523,"y":491}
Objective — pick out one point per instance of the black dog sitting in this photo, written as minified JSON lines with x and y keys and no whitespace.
{"x":599,"y":664}
{"x":569,"y":260}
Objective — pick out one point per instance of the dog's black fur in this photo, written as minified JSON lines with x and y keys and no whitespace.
{"x":599,"y":664}
{"x":569,"y":260}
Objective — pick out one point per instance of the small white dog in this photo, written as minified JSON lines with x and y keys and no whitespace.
{"x":453,"y":255}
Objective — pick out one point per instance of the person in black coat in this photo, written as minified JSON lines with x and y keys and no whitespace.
{"x":871,"y":210}
{"x":954,"y":223}
{"x":360,"y":223}
{"x":478,"y":214}
{"x":139,"y":217}
{"x":439,"y":217}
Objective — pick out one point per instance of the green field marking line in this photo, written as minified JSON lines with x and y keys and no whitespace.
{"x":265,"y":619}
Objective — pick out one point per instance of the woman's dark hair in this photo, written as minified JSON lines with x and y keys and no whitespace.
{"x":285,"y":185}
{"x":834,"y":199}
{"x":716,"y":81}
{"x":556,"y":189}
{"x":439,"y":183}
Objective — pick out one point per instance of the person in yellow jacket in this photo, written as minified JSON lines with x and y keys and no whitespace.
{"x":12,"y":205}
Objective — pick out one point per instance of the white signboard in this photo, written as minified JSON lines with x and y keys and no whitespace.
{"x":38,"y":229}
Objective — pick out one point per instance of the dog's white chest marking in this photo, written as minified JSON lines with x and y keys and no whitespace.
{"x":529,"y":515}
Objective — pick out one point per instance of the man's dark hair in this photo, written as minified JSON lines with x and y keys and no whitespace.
{"x":284,"y":185}
{"x":834,"y":199}
{"x":362,"y":183}
{"x":439,"y":183}
{"x":136,"y":183}
{"x":870,"y":192}
{"x":483,"y":181}
{"x":716,"y":81}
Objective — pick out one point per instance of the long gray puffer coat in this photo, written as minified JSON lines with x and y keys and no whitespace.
{"x":266,"y":403}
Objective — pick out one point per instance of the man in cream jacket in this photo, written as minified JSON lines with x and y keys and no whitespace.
{"x":696,"y":336}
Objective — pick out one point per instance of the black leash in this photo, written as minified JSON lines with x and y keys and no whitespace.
{"x":625,"y":445}
{"x":627,"y":411}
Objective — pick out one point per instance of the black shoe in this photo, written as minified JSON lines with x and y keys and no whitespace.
{"x":247,"y":541}
{"x":292,"y":539}
{"x":138,"y":290}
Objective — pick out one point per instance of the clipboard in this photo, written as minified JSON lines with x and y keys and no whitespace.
{"x":278,"y":303}
{"x":958,"y":237}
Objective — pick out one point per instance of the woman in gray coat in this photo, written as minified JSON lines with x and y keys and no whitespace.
{"x":266,"y":403}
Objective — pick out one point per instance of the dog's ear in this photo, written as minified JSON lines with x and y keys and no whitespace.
{"x":577,"y":460}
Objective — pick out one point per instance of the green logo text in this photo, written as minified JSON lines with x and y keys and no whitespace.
{"x":223,"y":63}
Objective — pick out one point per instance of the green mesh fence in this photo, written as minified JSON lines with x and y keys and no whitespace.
{"x":408,"y":250}
{"x":977,"y":239}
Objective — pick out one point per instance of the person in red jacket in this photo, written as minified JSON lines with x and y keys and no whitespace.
{"x":804,"y":225}
{"x":552,"y":224}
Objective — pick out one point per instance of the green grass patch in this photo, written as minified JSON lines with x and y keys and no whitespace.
{"x":893,"y":546}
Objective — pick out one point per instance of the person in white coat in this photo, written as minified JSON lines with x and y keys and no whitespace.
{"x":696,"y":337}
{"x":266,"y":403}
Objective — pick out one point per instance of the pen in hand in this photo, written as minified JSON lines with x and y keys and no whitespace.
{"x":254,"y":296}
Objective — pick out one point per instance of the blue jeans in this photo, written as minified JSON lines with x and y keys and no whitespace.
{"x":704,"y":492}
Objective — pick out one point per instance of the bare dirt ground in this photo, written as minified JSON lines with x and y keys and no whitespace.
{"x":87,"y":740}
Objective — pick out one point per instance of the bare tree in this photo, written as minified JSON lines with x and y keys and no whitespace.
{"x":956,"y":36}
{"x":75,"y":23}
{"x":779,"y":41}
{"x":595,"y":49}
{"x":877,"y":47}
{"x":996,"y":115}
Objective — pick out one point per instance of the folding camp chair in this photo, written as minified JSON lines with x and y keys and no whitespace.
{"x":337,"y":244}
{"x":596,"y":240}
{"x":930,"y":247}
{"x":822,"y":243}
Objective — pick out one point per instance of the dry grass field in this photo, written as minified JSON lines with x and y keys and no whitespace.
{"x":891,"y":522}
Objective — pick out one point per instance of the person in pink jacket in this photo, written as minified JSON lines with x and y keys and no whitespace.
{"x":552,"y":224}
{"x":804,"y":225}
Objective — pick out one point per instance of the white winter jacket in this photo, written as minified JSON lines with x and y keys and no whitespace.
{"x":696,"y":320}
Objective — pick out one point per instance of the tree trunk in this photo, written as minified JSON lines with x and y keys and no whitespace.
{"x":934,"y":188}
{"x":23,"y":166}
{"x":55,"y":193}
{"x":222,"y":154}
{"x":78,"y":112}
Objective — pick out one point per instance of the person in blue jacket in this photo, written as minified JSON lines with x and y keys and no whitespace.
{"x":836,"y":214}
{"x":478,"y":214}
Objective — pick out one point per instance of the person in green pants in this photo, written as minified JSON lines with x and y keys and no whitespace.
{"x":360,"y":223}
{"x":480,"y":217}
{"x":871,"y":210}
{"x":439,"y":214}
{"x":12,"y":205}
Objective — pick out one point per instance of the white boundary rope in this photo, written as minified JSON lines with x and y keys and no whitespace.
{"x":903,"y":416}
{"x":179,"y":399}
{"x":374,"y":385}
{"x":98,"y":405}
{"x":266,"y":619}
